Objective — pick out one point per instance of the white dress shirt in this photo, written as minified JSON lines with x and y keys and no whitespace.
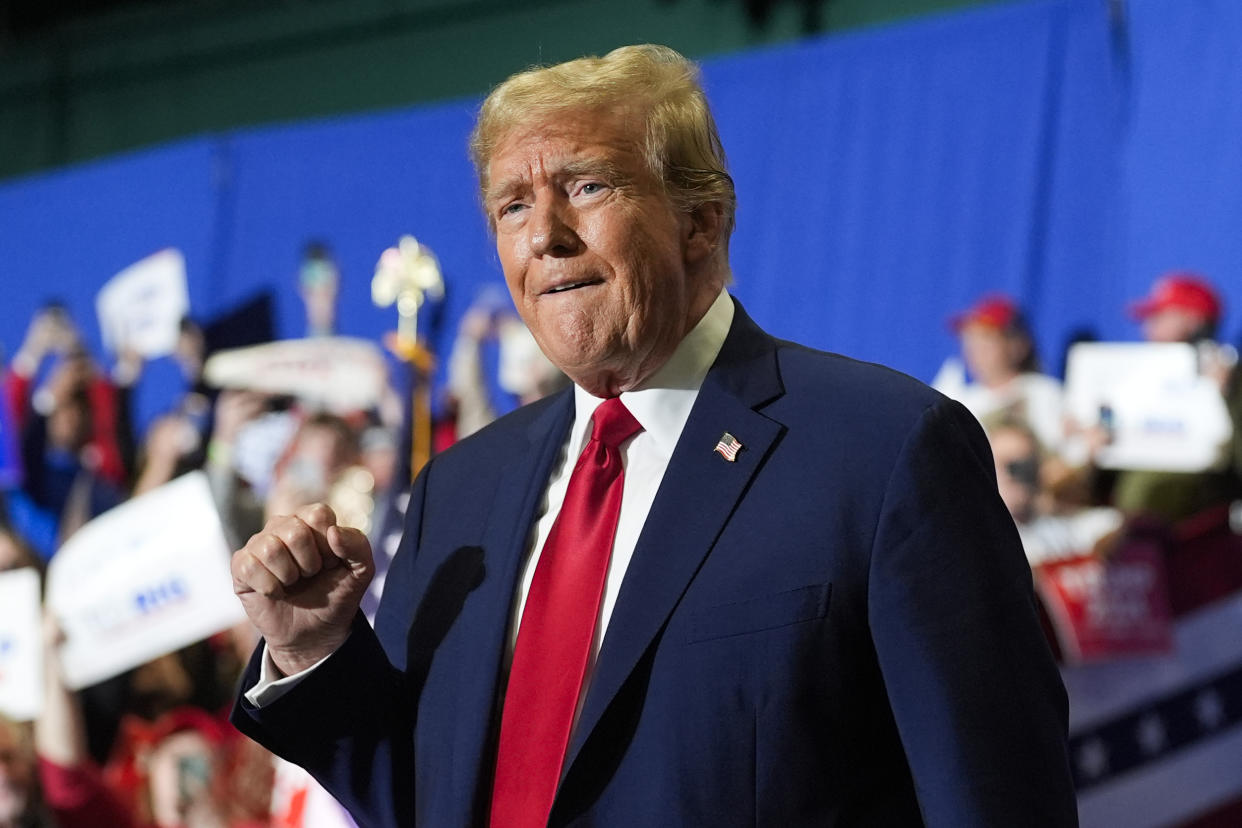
{"x":661,"y":406}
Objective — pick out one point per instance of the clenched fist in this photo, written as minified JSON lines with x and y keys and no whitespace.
{"x":301,"y":580}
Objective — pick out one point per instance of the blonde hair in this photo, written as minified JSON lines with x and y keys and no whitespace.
{"x":681,"y":145}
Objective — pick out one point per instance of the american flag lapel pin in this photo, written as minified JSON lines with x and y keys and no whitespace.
{"x":728,"y":446}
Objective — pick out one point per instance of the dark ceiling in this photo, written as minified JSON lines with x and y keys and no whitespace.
{"x":23,"y":18}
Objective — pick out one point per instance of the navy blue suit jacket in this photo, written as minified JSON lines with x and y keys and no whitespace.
{"x":836,"y":629}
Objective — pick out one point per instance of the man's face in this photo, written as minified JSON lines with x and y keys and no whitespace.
{"x":1172,"y":325}
{"x":987,"y":354}
{"x":1017,"y":472}
{"x":604,"y":270}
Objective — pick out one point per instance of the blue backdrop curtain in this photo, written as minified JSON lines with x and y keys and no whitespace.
{"x":1056,"y":150}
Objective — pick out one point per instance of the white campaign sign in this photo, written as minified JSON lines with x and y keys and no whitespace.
{"x":144,"y":579}
{"x":21,"y":645}
{"x":341,"y":373}
{"x":142,"y":306}
{"x":1164,"y":416}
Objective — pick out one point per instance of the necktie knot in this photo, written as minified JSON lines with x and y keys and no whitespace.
{"x":613,"y":423}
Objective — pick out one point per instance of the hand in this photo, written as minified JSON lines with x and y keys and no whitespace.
{"x":233,"y":410}
{"x":1097,"y":439}
{"x":45,"y":335}
{"x":62,"y":334}
{"x":170,"y":437}
{"x":128,"y":368}
{"x":301,"y":580}
{"x":40,"y":335}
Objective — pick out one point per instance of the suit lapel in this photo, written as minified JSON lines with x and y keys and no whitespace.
{"x":698,"y":494}
{"x":512,"y":514}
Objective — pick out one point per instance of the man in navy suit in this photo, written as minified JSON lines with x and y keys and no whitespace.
{"x":815,"y":610}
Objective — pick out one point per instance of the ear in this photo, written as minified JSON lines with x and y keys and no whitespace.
{"x":703,"y":232}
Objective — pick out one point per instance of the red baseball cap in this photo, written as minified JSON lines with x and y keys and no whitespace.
{"x":994,"y":310}
{"x":1179,"y":289}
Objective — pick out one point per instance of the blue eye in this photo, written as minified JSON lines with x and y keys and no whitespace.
{"x":590,"y":188}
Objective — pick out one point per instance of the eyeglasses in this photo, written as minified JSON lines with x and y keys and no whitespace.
{"x":1025,"y":470}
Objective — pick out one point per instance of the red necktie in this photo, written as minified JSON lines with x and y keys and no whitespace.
{"x":558,"y":623}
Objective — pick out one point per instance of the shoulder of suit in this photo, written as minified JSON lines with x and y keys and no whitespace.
{"x":844,"y":382}
{"x":506,"y":434}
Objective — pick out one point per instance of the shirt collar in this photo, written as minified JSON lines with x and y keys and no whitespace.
{"x":662,"y":405}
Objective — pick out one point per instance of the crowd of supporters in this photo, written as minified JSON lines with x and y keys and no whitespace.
{"x":1064,"y":502}
{"x":152,"y":747}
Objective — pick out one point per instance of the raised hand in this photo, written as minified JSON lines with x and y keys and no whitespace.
{"x":301,"y":580}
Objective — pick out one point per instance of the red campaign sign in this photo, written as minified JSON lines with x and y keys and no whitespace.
{"x":1104,"y":608}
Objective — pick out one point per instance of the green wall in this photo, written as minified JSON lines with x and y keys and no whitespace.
{"x":118,"y":81}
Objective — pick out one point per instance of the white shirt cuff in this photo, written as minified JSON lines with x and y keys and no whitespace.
{"x":272,"y":684}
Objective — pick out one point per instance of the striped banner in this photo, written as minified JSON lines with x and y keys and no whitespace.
{"x":1157,"y":741}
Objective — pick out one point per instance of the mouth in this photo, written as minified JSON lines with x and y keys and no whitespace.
{"x":568,"y":286}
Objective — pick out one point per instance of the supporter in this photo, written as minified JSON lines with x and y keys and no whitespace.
{"x":68,"y":414}
{"x":320,"y":465}
{"x":241,"y":509}
{"x":318,"y":283}
{"x":523,"y":370}
{"x":999,"y":353}
{"x":21,"y":803}
{"x":320,"y":452}
{"x":52,"y":346}
{"x":63,"y":472}
{"x":198,"y":402}
{"x":189,"y":769}
{"x":170,"y":760}
{"x":1183,"y":307}
{"x":185,"y":769}
{"x":307,"y":465}
{"x":387,"y":454}
{"x":170,"y":450}
{"x":378,"y":452}
{"x":190,"y":354}
{"x":1047,"y":535}
{"x":380,"y":456}
{"x":73,"y":784}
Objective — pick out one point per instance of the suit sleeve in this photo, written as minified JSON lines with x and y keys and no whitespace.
{"x":977,"y":699}
{"x":350,"y":723}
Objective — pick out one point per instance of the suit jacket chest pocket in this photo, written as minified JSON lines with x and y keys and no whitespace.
{"x":763,"y":612}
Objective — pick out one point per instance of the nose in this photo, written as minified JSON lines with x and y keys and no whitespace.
{"x":552,"y":230}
